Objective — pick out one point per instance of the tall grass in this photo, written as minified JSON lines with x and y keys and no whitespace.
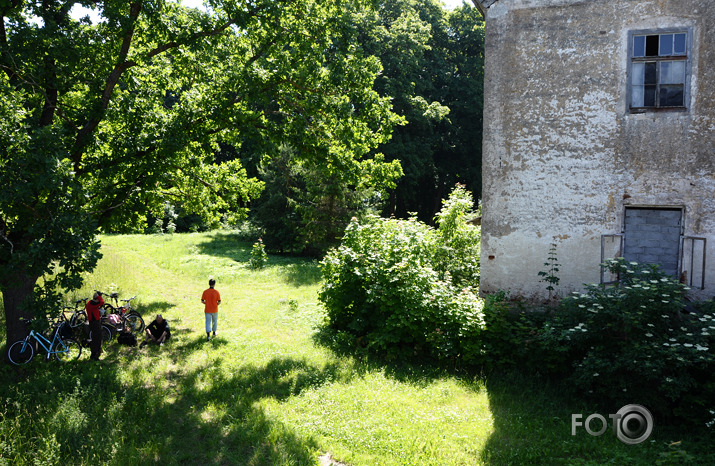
{"x":264,"y":392}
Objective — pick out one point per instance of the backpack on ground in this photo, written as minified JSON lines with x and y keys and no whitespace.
{"x":65,"y":330}
{"x":127,"y":338}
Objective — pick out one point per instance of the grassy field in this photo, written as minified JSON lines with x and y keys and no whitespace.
{"x":268,"y":391}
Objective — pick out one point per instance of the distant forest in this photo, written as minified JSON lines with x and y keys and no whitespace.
{"x":432,"y":69}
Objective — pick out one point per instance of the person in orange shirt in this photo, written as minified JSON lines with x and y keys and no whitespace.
{"x":211,"y":299}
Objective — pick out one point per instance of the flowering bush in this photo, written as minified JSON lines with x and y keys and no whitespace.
{"x":638,"y":342}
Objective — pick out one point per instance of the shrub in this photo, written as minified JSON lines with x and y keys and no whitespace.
{"x":259,"y":257}
{"x":458,"y":246}
{"x":512,"y":339}
{"x":390,"y":284}
{"x":636,"y":343}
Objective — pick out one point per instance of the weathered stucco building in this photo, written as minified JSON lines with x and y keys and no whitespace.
{"x":599,"y":124}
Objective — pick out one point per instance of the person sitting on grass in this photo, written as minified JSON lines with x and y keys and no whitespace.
{"x":157,"y":331}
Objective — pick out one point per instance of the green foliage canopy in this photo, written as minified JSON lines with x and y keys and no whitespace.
{"x":432,"y":63}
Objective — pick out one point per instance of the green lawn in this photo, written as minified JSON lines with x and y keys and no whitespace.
{"x":266,"y":392}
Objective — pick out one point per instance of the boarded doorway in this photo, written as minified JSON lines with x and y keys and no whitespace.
{"x":652,"y":236}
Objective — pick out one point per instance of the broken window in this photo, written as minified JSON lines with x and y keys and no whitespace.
{"x":659,"y":66}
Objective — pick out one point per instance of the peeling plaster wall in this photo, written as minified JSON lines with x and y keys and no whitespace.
{"x":563,"y":156}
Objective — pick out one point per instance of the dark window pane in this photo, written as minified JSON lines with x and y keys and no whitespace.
{"x":666,"y":44}
{"x":651,"y":46}
{"x":671,"y":96}
{"x":639,"y":46}
{"x":649,"y":96}
{"x":679,"y":47}
{"x":650,"y":75}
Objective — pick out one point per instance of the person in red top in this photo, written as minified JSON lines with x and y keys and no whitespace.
{"x":95,"y":325}
{"x":211,"y":299}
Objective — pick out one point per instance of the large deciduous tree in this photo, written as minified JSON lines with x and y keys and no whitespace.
{"x":433,"y":62}
{"x":100,"y":122}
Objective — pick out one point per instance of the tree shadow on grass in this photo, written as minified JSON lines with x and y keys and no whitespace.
{"x":529,"y":426}
{"x":533,"y":425}
{"x":93,"y":413}
{"x":298,"y":271}
{"x":229,"y":245}
{"x":150,"y":310}
{"x":415,"y":371}
{"x":531,"y":413}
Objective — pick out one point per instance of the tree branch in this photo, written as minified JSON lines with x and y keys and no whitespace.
{"x":4,"y":54}
{"x":206,"y":184}
{"x":121,"y":66}
{"x":119,"y":200}
{"x":2,"y":234}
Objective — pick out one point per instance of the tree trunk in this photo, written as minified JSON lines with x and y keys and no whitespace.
{"x":17,"y":294}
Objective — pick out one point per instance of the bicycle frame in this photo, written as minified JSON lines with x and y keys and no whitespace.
{"x":64,"y":349}
{"x":127,"y":306}
{"x":41,"y":339}
{"x":124,"y":308}
{"x":125,"y":312}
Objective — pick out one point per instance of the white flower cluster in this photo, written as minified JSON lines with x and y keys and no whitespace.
{"x":581,"y":327}
{"x":705,"y":331}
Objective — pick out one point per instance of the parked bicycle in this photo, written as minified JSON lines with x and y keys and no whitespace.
{"x":79,"y":315}
{"x":64,"y":348}
{"x":129,"y":318}
{"x":79,"y":325}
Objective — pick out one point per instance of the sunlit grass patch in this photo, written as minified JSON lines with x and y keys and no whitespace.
{"x":375,"y":419}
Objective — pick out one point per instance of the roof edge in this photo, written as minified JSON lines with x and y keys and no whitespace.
{"x":483,"y":5}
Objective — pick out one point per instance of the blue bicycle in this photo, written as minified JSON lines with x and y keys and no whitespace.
{"x":64,"y":348}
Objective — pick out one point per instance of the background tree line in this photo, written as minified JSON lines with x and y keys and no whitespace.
{"x":432,"y":70}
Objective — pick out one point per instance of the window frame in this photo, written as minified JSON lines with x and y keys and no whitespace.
{"x":632,"y":60}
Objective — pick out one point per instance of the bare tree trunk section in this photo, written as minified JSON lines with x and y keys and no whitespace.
{"x":16,"y":293}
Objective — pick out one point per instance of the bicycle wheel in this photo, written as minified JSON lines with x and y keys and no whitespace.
{"x":134,"y":322}
{"x":20,"y":352}
{"x":107,"y":334}
{"x":78,"y":318}
{"x":134,"y":312}
{"x":67,"y":349}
